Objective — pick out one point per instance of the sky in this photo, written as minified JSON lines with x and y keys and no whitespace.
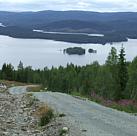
{"x":87,"y":5}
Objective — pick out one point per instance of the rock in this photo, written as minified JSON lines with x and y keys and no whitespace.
{"x":84,"y":130}
{"x":24,"y":129}
{"x":8,"y":121}
{"x":5,"y":133}
{"x":65,"y":129}
{"x":20,"y":111}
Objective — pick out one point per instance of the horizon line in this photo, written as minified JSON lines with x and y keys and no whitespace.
{"x":34,"y":11}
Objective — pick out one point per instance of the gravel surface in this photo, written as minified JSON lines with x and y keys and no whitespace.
{"x":90,"y":118}
{"x":18,"y":90}
{"x":52,"y":129}
{"x":17,"y":116}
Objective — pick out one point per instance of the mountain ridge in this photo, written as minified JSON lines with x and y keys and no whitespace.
{"x":115,"y":27}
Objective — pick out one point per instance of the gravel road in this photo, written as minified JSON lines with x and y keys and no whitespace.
{"x":91,"y":118}
{"x":18,"y":90}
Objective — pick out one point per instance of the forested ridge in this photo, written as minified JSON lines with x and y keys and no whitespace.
{"x":116,"y":27}
{"x":27,"y":33}
{"x":114,"y":80}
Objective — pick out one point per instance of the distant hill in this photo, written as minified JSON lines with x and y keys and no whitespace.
{"x":77,"y":26}
{"x":120,"y":25}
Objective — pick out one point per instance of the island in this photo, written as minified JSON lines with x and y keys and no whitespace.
{"x":75,"y":51}
{"x":92,"y":51}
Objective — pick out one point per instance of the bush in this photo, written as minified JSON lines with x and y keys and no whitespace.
{"x":45,"y":114}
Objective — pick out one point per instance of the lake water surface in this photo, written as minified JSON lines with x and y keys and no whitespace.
{"x":40,"y":53}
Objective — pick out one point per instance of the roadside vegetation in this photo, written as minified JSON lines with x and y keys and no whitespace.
{"x":113,"y":84}
{"x":125,"y":105}
{"x":63,"y":131}
{"x":35,"y":88}
{"x":45,"y":115}
{"x":12,"y":83}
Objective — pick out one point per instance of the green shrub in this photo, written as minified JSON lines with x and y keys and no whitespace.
{"x":45,"y":114}
{"x":45,"y":119}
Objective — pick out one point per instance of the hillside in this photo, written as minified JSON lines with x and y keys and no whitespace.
{"x":116,"y":27}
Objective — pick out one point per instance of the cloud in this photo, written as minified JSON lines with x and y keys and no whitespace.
{"x":90,"y":5}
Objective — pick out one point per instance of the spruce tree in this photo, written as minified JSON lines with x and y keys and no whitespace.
{"x":122,"y":75}
{"x":112,"y":58}
{"x":112,"y":72}
{"x":112,"y":62}
{"x":20,"y":66}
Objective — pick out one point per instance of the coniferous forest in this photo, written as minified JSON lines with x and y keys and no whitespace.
{"x":115,"y":80}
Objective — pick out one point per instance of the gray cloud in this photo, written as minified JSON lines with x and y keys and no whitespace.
{"x":90,"y":5}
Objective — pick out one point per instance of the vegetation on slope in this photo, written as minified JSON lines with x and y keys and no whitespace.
{"x":113,"y":83}
{"x":45,"y":115}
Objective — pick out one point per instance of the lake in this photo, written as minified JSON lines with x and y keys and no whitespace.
{"x":40,"y":53}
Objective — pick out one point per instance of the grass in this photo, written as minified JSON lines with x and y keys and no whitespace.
{"x":62,"y":132}
{"x":75,"y":94}
{"x":45,"y":114}
{"x":129,"y":108}
{"x":35,"y":88}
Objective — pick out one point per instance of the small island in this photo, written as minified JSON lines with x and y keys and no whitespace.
{"x":92,"y":51}
{"x":75,"y":51}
